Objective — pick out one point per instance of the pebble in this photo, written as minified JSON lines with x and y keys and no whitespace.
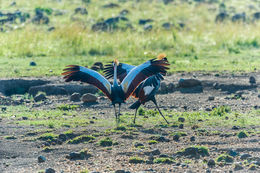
{"x":211,"y":163}
{"x":176,"y":137}
{"x":39,"y":97}
{"x":232,"y":153}
{"x":41,"y":159}
{"x":192,"y":138}
{"x":181,"y":119}
{"x":252,"y":80}
{"x":75,"y":97}
{"x":32,"y":63}
{"x":25,"y":118}
{"x":89,"y":98}
{"x":245,"y":156}
{"x":238,"y":167}
{"x":211,"y":98}
{"x":50,"y":170}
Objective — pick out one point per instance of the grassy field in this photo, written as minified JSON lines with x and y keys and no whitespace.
{"x":202,"y":45}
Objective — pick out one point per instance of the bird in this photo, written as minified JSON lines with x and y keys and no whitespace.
{"x":145,"y":91}
{"x":116,"y":93}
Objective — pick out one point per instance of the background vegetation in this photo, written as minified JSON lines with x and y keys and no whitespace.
{"x":201,"y":45}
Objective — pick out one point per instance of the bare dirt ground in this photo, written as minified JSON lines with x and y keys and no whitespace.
{"x":19,"y":154}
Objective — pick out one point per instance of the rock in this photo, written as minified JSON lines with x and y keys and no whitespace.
{"x":256,"y":16}
{"x":166,"y":2}
{"x":187,"y":83}
{"x":211,"y":98}
{"x":211,"y":163}
{"x":235,"y":128}
{"x":155,"y":152}
{"x":24,"y":118}
{"x":176,"y":137}
{"x":110,"y":24}
{"x":148,"y":27}
{"x":238,"y":167}
{"x":221,"y":17}
{"x":89,"y":98}
{"x":163,"y":88}
{"x":144,"y":21}
{"x":119,"y":171}
{"x":75,"y":97}
{"x":111,"y":5}
{"x":81,"y":10}
{"x":181,"y":119}
{"x":48,"y":89}
{"x":41,"y":159}
{"x":40,"y":18}
{"x":52,"y":28}
{"x":63,"y":137}
{"x":252,"y":80}
{"x":245,"y":156}
{"x":192,"y":139}
{"x":40,"y":97}
{"x":232,"y":153}
{"x":50,"y":170}
{"x":74,"y":156}
{"x":208,"y":109}
{"x":32,"y":63}
{"x":170,"y":87}
{"x":239,"y":17}
{"x":167,"y":25}
{"x":124,"y":12}
{"x":138,"y":145}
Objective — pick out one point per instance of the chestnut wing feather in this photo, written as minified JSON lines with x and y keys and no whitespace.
{"x":83,"y":74}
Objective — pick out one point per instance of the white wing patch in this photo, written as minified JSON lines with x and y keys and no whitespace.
{"x":148,"y":90}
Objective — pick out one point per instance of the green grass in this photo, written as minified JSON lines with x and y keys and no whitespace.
{"x":202,"y":45}
{"x":136,"y":160}
{"x":81,"y":139}
{"x":163,"y":160}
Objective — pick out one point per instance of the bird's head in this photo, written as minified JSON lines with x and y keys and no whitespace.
{"x":116,"y":62}
{"x":161,"y":56}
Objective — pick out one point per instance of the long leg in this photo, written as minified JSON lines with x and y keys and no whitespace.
{"x":154,"y":101}
{"x":115,"y":111}
{"x":119,"y":112}
{"x":135,"y":114}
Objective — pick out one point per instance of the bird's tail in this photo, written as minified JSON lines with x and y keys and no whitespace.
{"x":135,"y":105}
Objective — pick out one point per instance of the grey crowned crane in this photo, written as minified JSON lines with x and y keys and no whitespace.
{"x":146,"y":90}
{"x":116,"y":93}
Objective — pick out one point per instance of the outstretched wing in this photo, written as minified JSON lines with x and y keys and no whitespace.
{"x":122,"y":70}
{"x":83,"y":74}
{"x":141,"y":72}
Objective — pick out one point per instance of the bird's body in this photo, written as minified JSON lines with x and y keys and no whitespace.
{"x":117,"y":93}
{"x":145,"y":91}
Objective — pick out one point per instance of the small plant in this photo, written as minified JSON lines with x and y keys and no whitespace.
{"x":106,"y":142}
{"x":242,"y":134}
{"x":141,"y":111}
{"x":136,"y":160}
{"x":48,"y":136}
{"x":163,"y":160}
{"x":152,"y":142}
{"x":194,"y":151}
{"x":81,"y":139}
{"x":221,"y":111}
{"x":225,"y":158}
{"x":179,"y":134}
{"x":66,"y":107}
{"x":121,"y":128}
